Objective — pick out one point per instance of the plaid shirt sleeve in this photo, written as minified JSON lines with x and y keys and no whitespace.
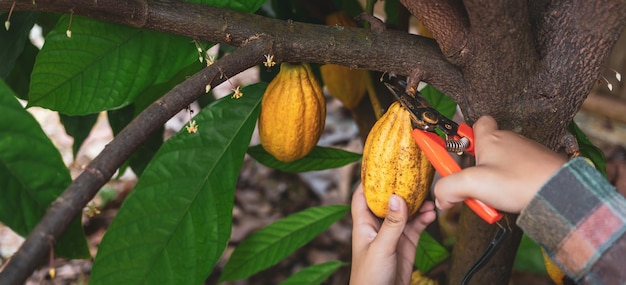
{"x":580,"y":219}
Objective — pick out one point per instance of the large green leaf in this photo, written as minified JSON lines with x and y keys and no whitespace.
{"x":315,"y":274}
{"x":118,"y":119}
{"x":429,"y":253}
{"x":32,"y":175}
{"x":588,"y":149}
{"x":272,"y":243}
{"x":318,"y":159}
{"x":239,"y":5}
{"x":175,"y":224}
{"x":14,"y":39}
{"x":103,"y":66}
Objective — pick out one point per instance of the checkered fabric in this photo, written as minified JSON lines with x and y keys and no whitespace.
{"x":580,"y":219}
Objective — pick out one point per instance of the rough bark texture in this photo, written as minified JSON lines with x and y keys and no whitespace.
{"x":530,"y":64}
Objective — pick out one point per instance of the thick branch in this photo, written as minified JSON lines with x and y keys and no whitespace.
{"x":100,"y":170}
{"x":574,"y":40}
{"x":446,"y":20}
{"x":293,"y":41}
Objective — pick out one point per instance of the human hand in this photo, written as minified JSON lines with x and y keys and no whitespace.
{"x":383,"y":253}
{"x":509,"y":170}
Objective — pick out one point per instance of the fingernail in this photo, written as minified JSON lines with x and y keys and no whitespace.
{"x":394,"y":203}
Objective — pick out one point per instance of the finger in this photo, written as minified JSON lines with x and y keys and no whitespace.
{"x":425,"y":215}
{"x":485,"y":125}
{"x":457,"y":187}
{"x":364,"y":224}
{"x":392,"y":227}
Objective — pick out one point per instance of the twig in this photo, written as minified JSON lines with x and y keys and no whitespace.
{"x":100,"y":170}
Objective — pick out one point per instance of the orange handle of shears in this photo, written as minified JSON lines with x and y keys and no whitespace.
{"x":434,"y":148}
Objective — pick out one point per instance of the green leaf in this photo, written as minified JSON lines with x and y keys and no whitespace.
{"x":272,"y":243}
{"x":239,"y":5}
{"x":14,"y":40}
{"x":103,"y":66}
{"x":391,"y":10}
{"x":32,"y":175}
{"x":175,"y":224}
{"x":315,"y":274}
{"x":429,"y":253}
{"x":528,"y":257}
{"x":318,"y":159}
{"x":588,"y":149}
{"x":138,"y":161}
{"x":444,"y":104}
{"x":19,"y":78}
{"x":79,"y":128}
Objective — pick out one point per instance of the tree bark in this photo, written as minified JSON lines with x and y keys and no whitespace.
{"x":529,"y":65}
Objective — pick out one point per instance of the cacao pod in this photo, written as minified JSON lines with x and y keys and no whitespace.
{"x":293,"y":113}
{"x":418,"y":279}
{"x":349,"y":85}
{"x":554,"y":272}
{"x":394,"y":164}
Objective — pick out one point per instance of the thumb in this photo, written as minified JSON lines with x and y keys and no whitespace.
{"x":393,"y":225}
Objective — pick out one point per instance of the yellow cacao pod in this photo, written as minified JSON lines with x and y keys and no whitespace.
{"x":554,"y":272}
{"x":346,"y":84}
{"x":418,"y":279}
{"x":293,"y":112}
{"x":423,"y":31}
{"x":349,"y":85}
{"x":394,"y":164}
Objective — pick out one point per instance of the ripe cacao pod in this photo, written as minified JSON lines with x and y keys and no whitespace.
{"x":293,"y":113}
{"x":418,"y":279}
{"x":394,"y":164}
{"x":554,"y":272}
{"x":349,"y":85}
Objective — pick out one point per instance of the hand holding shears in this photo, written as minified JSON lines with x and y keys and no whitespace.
{"x":459,"y":138}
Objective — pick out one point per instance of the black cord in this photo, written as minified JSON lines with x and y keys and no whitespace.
{"x":493,"y":247}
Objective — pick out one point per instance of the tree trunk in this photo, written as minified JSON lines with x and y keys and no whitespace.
{"x":530,"y":65}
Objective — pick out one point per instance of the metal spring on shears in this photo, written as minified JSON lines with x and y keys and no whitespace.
{"x":457,"y":146}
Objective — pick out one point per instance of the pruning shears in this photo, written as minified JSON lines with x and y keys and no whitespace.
{"x":459,"y":138}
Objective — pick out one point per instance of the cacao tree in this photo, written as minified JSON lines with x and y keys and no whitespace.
{"x":528,"y":64}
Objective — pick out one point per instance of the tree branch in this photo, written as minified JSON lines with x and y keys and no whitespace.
{"x":99,"y":171}
{"x":446,"y":20}
{"x":293,"y":41}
